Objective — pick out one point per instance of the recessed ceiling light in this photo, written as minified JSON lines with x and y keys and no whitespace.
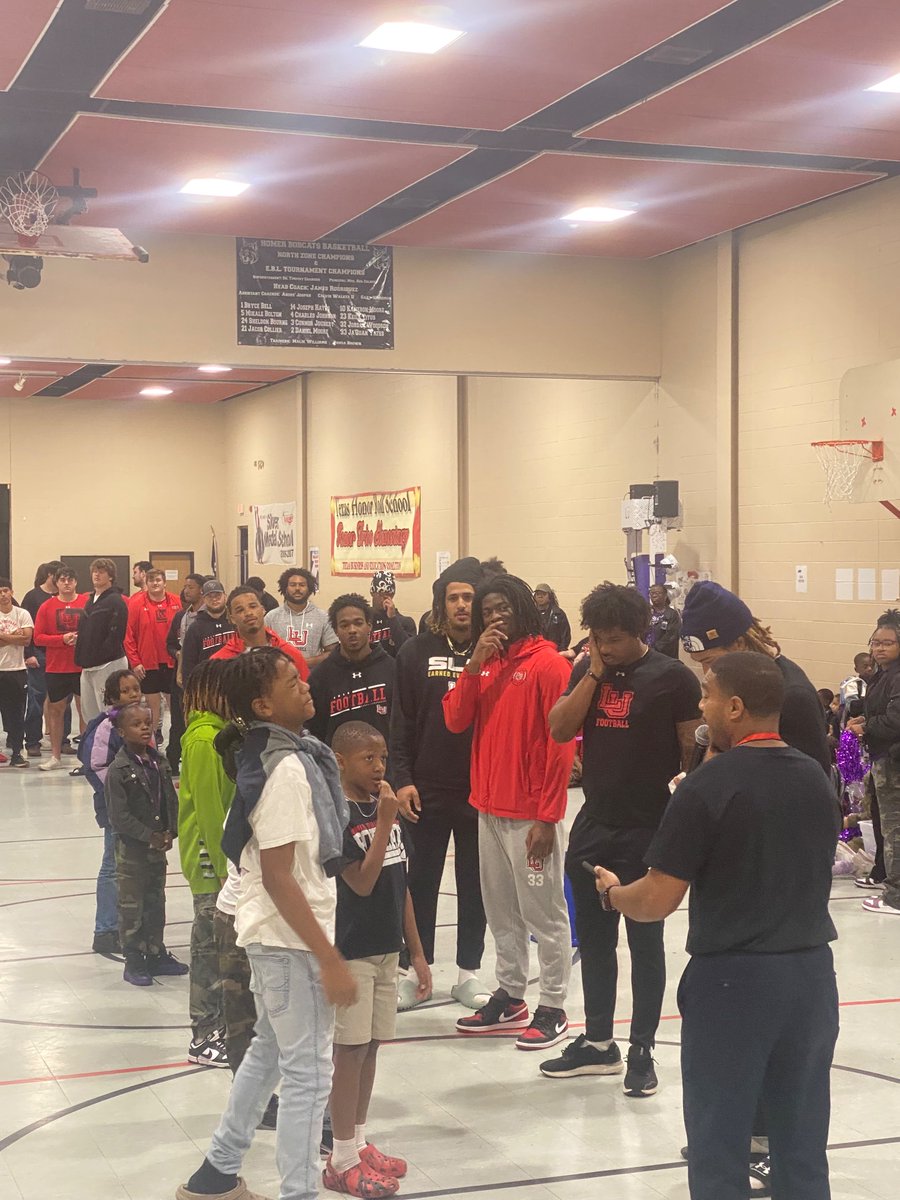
{"x":156,"y":391}
{"x":887,"y":85}
{"x":4,"y":362}
{"x":214,"y":187}
{"x":412,"y":37}
{"x":213,"y":368}
{"x":598,"y":213}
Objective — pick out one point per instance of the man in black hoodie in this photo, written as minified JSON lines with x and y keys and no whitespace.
{"x":356,"y":680}
{"x":390,"y":629}
{"x":209,"y":630}
{"x":100,"y":648}
{"x":429,"y":768}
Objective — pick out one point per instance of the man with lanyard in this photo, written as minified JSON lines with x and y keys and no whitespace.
{"x":429,"y":767}
{"x":758,"y":999}
{"x":247,"y":615}
{"x":298,"y":621}
{"x":639,"y":711}
{"x":389,"y":628}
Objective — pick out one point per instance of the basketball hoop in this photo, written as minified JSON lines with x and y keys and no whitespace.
{"x":841,"y":461}
{"x":27,"y":201}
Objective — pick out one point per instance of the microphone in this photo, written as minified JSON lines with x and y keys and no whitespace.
{"x":701,"y":738}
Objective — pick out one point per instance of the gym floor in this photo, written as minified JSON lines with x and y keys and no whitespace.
{"x":97,"y":1098}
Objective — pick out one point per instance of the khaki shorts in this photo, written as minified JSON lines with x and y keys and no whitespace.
{"x":374,"y":1015}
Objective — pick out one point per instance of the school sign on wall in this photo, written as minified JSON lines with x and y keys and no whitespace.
{"x":377,"y":531}
{"x":275,"y":534}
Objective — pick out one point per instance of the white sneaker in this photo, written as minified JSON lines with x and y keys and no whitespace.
{"x":52,"y":764}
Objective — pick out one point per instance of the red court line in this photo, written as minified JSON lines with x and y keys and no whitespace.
{"x":96,"y":1074}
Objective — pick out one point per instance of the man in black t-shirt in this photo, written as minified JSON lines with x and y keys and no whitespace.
{"x":758,"y":998}
{"x":390,"y":629}
{"x":639,"y":711}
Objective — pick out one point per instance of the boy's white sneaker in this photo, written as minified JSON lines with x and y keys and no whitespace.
{"x":52,"y":764}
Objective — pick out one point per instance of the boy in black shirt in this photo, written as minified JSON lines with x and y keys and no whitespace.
{"x":355,"y":682}
{"x":374,"y":915}
{"x":390,"y":629}
{"x":758,"y":998}
{"x":639,"y":710}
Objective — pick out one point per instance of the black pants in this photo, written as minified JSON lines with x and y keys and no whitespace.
{"x":878,"y":871}
{"x":758,"y":1027}
{"x":443,"y":814}
{"x":622,"y":851}
{"x":176,"y":730}
{"x":12,"y":707}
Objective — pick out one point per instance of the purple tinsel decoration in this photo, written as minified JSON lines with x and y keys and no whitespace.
{"x":849,"y":758}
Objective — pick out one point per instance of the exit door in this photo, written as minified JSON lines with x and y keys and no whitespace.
{"x":177,"y":564}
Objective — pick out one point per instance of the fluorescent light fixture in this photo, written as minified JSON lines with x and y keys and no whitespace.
{"x":214,"y":369}
{"x":412,"y":37}
{"x":156,"y":391}
{"x":214,"y":187}
{"x":887,"y":85}
{"x":598,"y":213}
{"x":4,"y":362}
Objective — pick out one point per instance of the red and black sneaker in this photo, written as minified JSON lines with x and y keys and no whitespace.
{"x":500,"y":1013}
{"x":548,"y":1026}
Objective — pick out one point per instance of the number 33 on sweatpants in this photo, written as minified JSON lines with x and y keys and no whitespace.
{"x":525,"y":895}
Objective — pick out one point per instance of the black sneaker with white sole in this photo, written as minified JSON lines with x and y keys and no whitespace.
{"x":761,"y":1178}
{"x":500,"y":1013}
{"x":581,"y":1058}
{"x":208,"y":1052}
{"x":548,"y":1026}
{"x":870,"y":884}
{"x":640,"y":1078}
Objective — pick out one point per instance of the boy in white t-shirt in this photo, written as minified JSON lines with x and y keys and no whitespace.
{"x":16,"y":628}
{"x":285,"y":921}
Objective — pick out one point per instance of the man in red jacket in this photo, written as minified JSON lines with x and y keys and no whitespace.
{"x":519,"y":777}
{"x":150,"y":613}
{"x":247,"y":615}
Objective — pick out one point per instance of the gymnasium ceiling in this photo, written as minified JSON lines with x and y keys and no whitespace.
{"x":696,"y":116}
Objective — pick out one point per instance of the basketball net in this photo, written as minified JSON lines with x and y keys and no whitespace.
{"x":841,"y":461}
{"x":27,"y":201}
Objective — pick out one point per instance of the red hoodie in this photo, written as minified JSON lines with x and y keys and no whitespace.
{"x":517,"y":769}
{"x":148,"y":627}
{"x":235,"y":646}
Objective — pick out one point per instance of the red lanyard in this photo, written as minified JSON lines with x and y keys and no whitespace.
{"x":759,"y":737}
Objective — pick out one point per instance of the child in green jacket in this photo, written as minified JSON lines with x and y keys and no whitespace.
{"x":205,"y":795}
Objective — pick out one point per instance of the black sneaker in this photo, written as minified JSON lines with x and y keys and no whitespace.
{"x":326,"y":1144}
{"x":581,"y":1058}
{"x":269,"y":1119}
{"x":761,"y":1178}
{"x":640,"y":1078}
{"x":166,"y":964}
{"x":208,"y":1052}
{"x":106,"y":943}
{"x":500,"y":1012}
{"x":548,"y":1026}
{"x":870,"y":884}
{"x":137,"y":974}
{"x":18,"y":761}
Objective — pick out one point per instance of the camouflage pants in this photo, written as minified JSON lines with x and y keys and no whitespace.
{"x":206,"y":990}
{"x":238,"y":1005}
{"x":141,"y":883}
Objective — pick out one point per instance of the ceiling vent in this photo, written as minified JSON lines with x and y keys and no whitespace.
{"x":676,"y":56}
{"x":132,"y":8}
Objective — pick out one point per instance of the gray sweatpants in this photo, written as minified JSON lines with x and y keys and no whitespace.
{"x":93,"y":681}
{"x":523,"y":896}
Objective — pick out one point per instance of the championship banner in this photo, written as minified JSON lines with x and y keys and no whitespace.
{"x":377,"y":531}
{"x":275,"y":540}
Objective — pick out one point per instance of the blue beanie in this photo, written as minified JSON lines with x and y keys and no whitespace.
{"x":713,"y":618}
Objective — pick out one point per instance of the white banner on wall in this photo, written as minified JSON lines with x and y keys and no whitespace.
{"x":275,"y":540}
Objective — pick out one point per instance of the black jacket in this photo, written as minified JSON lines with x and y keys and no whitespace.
{"x":101,"y":632}
{"x":391,"y":633}
{"x":883,"y":711}
{"x":205,"y":636}
{"x":351,"y":691}
{"x":129,"y":801}
{"x":423,"y":750}
{"x":556,"y":628}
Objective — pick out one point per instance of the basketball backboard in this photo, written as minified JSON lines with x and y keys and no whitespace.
{"x":73,"y":241}
{"x":869,"y":405}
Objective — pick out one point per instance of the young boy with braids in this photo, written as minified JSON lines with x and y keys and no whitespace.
{"x":285,"y":828}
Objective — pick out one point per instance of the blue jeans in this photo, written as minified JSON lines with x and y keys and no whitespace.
{"x":36,"y":694}
{"x":293,"y":1042}
{"x":107,"y":918}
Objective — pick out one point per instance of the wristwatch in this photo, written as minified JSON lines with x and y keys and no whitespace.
{"x":605,"y":901}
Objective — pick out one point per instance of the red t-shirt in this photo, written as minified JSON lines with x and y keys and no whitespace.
{"x":54,"y":619}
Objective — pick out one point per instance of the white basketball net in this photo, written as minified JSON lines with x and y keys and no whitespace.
{"x":841,"y":462}
{"x":27,"y":201}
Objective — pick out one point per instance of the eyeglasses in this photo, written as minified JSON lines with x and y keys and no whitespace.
{"x":883,"y":645}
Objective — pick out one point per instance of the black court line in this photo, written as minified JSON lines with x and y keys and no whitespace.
{"x":81,"y":954}
{"x":71,"y":895}
{"x":80,"y":837}
{"x":60,"y":1025}
{"x":17,"y":1136}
